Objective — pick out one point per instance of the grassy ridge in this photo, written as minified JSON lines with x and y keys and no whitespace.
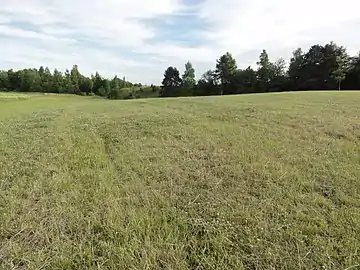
{"x":246,"y":182}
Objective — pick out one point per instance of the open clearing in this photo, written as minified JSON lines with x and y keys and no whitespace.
{"x":267,"y":181}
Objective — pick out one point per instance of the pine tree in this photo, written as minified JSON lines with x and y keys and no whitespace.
{"x":225,"y":71}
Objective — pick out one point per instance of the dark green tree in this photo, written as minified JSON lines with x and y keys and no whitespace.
{"x":264,"y":71}
{"x":75,"y":79}
{"x":295,"y":68}
{"x":244,"y":81}
{"x":207,"y":85}
{"x":115,"y":88}
{"x":106,"y":88}
{"x":318,"y":68}
{"x":171,"y":84}
{"x":58,"y":82}
{"x":14,"y":80}
{"x":352,"y":80}
{"x":313,"y":74}
{"x":225,"y":71}
{"x":67,"y":84}
{"x":86,"y":85}
{"x":98,"y":82}
{"x":4,"y":81}
{"x":278,"y":76}
{"x":46,"y":80}
{"x":116,"y":83}
{"x":188,"y":80}
{"x":30,"y":80}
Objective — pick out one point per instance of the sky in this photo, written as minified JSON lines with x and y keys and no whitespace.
{"x":139,"y":39}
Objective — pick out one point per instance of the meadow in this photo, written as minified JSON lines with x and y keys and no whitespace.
{"x":265,"y":181}
{"x":10,"y":96}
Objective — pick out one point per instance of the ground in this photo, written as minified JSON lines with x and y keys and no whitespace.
{"x":266,"y":181}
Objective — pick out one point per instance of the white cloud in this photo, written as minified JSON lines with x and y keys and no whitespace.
{"x":111,"y":20}
{"x":112,"y":24}
{"x":281,"y":25}
{"x":108,"y":36}
{"x":9,"y":31}
{"x":247,"y":23}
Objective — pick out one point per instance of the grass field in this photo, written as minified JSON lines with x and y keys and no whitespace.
{"x":11,"y":96}
{"x":267,"y":181}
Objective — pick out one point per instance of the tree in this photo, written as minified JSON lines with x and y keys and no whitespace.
{"x":207,"y":85}
{"x":107,"y":88}
{"x":278,"y":80}
{"x":4,"y":81}
{"x":342,"y":66}
{"x":188,"y":79}
{"x":86,"y":85}
{"x":339,"y":73}
{"x":75,"y":79}
{"x":294,"y":72}
{"x":102,"y":91}
{"x":30,"y":81}
{"x":352,"y":80}
{"x":97,"y":83}
{"x":264,"y":71}
{"x":319,"y":67}
{"x":277,"y":69}
{"x":115,"y":86}
{"x":335,"y":65}
{"x":57,"y":82}
{"x":42,"y":80}
{"x":67,"y":82}
{"x":244,"y":81}
{"x":46,"y":80}
{"x":225,"y":70}
{"x":171,"y":83}
{"x":14,"y":80}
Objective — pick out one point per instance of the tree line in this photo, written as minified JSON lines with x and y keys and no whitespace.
{"x":70,"y":82}
{"x":322,"y":67}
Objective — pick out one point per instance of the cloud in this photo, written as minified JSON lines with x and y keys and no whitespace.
{"x":15,"y":32}
{"x":280,"y":25}
{"x":139,"y":38}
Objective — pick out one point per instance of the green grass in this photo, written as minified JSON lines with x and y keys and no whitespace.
{"x":11,"y":96}
{"x":267,"y":181}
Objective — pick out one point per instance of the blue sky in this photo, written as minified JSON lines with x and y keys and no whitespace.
{"x":139,"y":39}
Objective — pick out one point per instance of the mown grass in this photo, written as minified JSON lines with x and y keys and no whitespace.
{"x":267,"y":181}
{"x":9,"y":96}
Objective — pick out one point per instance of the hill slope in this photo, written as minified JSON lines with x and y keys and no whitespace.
{"x":245,"y":182}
